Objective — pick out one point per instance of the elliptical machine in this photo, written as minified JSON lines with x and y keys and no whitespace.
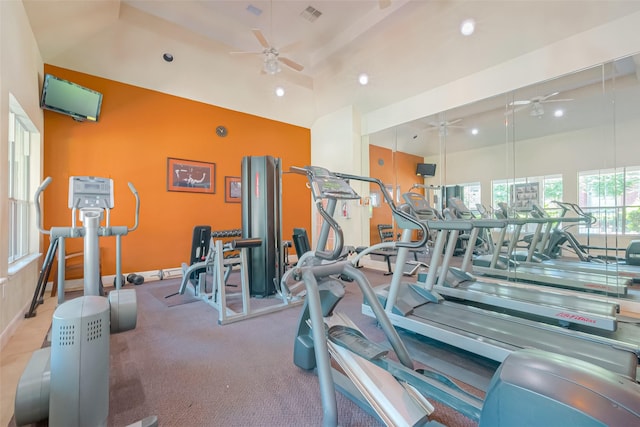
{"x":531,"y":387}
{"x":68,"y":383}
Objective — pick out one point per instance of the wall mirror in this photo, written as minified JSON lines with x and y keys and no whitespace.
{"x":571,"y":139}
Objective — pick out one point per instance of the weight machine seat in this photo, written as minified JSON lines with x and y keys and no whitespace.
{"x":301,"y":241}
{"x":200,"y":242}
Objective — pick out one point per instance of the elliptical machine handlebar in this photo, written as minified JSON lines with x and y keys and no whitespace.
{"x":43,"y":186}
{"x":339,"y":242}
{"x":135,"y":194}
{"x":39,"y":191}
{"x":398,"y":212}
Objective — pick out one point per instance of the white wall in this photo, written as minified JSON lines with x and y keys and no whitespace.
{"x":21,"y":67}
{"x":607,"y":42}
{"x":601,"y":44}
{"x":335,"y":144}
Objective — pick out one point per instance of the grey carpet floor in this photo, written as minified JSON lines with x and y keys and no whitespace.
{"x":180,"y":365}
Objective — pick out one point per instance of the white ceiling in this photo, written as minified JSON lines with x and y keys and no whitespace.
{"x":406,"y":47}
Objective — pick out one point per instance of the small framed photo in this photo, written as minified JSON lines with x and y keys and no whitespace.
{"x":191,"y":176}
{"x":232,"y":189}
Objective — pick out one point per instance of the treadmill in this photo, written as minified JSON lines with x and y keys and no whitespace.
{"x":484,"y":332}
{"x":583,"y":263}
{"x":546,"y":305}
{"x":522,"y":268}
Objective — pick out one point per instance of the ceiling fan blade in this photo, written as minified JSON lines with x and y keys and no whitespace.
{"x":544,"y":98}
{"x":261,"y":38}
{"x":523,"y":102}
{"x":556,"y":100}
{"x":515,"y":110}
{"x":245,"y":53}
{"x":453,"y":122}
{"x":291,"y":64}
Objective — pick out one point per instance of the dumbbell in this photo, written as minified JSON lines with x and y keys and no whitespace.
{"x":136,"y":279}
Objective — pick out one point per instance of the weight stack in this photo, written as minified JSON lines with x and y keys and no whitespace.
{"x":261,"y":218}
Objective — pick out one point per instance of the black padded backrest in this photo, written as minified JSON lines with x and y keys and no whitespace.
{"x":301,"y":241}
{"x":200,"y":243}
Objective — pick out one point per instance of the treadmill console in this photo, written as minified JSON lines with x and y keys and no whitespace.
{"x":420,"y":206}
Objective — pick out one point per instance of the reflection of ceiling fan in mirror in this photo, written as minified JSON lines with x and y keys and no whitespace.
{"x":535,"y":104}
{"x":443,"y":126}
{"x":272,"y":59}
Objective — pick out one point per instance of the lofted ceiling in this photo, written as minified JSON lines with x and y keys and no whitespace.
{"x":405,"y":46}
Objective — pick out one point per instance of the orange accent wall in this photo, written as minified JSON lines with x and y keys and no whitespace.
{"x":398,"y":169}
{"x":137,"y":131}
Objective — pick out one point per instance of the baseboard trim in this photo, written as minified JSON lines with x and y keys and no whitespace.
{"x":12,"y":327}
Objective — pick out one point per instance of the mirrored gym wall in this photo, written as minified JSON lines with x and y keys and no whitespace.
{"x":570,"y":139}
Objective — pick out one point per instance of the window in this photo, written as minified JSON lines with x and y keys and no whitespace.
{"x":612,"y":196}
{"x":551,"y":190}
{"x":519,"y":194}
{"x":22,"y":139}
{"x":471,"y":196}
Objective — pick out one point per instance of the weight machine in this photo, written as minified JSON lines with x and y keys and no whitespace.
{"x":217,"y":265}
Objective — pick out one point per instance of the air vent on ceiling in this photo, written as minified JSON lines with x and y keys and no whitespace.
{"x":254,"y":10}
{"x":311,"y":14}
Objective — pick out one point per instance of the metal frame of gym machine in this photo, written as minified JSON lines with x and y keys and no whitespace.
{"x":68,"y":382}
{"x":261,"y":257}
{"x":542,"y":303}
{"x":530,"y":387}
{"x":416,"y":307}
{"x":584,"y":263}
{"x":544,"y":274}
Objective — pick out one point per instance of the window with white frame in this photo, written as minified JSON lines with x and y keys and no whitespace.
{"x":22,"y":138}
{"x":519,"y":194}
{"x":612,"y":196}
{"x":472,"y":196}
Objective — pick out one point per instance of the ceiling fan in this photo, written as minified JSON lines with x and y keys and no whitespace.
{"x":272,"y":59}
{"x":535,"y":104}
{"x":443,"y":126}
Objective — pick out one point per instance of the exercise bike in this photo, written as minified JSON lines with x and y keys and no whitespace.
{"x":531,"y":387}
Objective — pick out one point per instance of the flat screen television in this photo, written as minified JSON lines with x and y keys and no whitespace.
{"x":426,"y":169}
{"x":71,"y":99}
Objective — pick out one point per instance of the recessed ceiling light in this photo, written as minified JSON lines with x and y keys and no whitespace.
{"x":279,"y":91}
{"x":467,"y":27}
{"x":474,"y":131}
{"x":167,"y":57}
{"x":558,"y":113}
{"x":363,"y":79}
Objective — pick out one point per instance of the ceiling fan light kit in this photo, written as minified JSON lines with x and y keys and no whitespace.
{"x":271,"y":65}
{"x":272,"y":58}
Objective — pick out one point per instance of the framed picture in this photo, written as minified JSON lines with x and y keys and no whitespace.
{"x":232,"y":189}
{"x":191,"y":176}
